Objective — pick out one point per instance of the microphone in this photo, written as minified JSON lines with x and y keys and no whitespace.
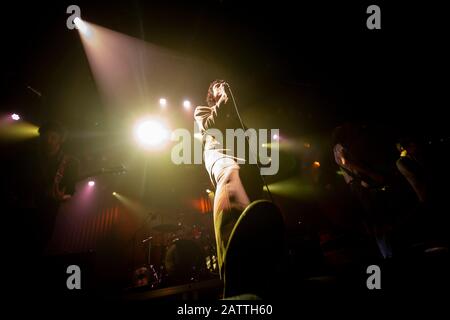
{"x":148,"y":239}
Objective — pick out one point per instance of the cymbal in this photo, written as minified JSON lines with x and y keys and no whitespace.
{"x":166,"y":227}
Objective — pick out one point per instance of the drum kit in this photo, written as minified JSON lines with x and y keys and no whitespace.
{"x":176,"y":255}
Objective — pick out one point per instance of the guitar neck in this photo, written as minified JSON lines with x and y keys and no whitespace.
{"x":112,"y":170}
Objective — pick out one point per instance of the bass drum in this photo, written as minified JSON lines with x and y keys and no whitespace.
{"x":184,"y":262}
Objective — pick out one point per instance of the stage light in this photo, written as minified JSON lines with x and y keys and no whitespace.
{"x":15,"y":117}
{"x":187,"y":104}
{"x":210,"y":194}
{"x":82,"y":27}
{"x":130,"y":203}
{"x":151,"y":133}
{"x":13,"y":129}
{"x":293,"y":188}
{"x":276,"y":137}
{"x":91,"y":183}
{"x":163,"y":102}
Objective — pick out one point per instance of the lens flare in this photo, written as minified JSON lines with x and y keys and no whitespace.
{"x":151,"y":133}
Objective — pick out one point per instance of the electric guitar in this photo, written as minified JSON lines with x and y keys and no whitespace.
{"x":60,"y":195}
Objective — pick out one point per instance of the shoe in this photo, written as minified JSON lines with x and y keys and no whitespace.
{"x":255,"y":250}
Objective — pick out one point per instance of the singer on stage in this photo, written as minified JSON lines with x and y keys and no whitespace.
{"x":233,"y":199}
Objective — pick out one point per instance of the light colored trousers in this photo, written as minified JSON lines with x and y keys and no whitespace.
{"x":230,"y":198}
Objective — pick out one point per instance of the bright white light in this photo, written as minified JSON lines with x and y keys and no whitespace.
{"x":91,"y":183}
{"x":276,"y":137}
{"x":15,"y":117}
{"x":187,"y":104}
{"x":151,"y":133}
{"x":162,"y":102}
{"x":82,"y":27}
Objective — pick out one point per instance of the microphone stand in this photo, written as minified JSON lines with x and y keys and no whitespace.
{"x":133,"y":238}
{"x":251,"y":151}
{"x":149,"y":249}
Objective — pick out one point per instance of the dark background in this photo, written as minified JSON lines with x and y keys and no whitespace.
{"x":285,"y":50}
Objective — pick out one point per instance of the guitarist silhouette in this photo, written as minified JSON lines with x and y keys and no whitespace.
{"x":54,"y":183}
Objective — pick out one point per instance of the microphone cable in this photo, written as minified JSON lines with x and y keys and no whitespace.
{"x":250,"y":146}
